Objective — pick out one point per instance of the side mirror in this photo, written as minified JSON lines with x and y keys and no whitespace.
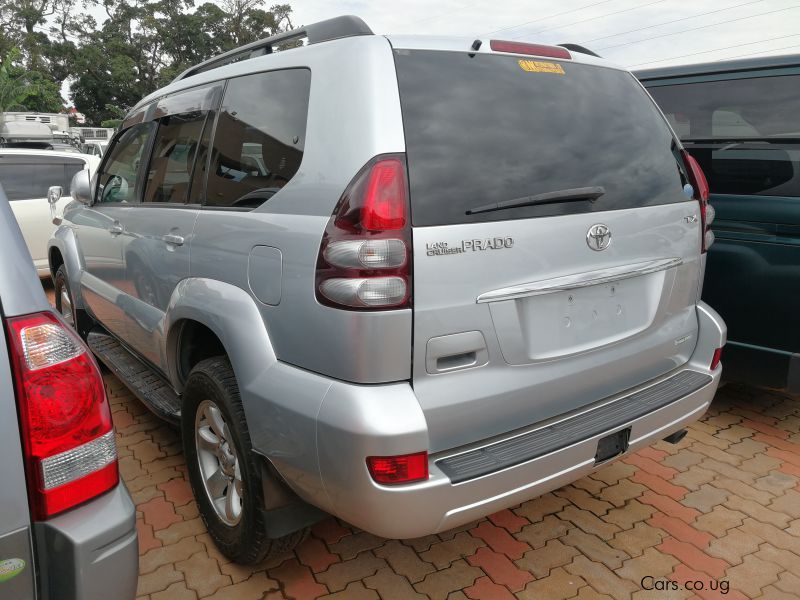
{"x":81,"y":187}
{"x":54,"y":194}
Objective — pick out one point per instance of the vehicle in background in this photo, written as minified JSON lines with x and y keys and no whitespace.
{"x":94,"y":139}
{"x":93,"y":149}
{"x":741,"y":121}
{"x":25,"y":135}
{"x":67,"y":523}
{"x":55,"y":121}
{"x":27,"y":176}
{"x":408,"y":281}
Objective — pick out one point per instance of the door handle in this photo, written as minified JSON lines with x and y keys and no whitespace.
{"x":175,"y":240}
{"x":116,"y":229}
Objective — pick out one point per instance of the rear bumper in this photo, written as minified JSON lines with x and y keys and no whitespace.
{"x":90,"y":552}
{"x":359,"y":421}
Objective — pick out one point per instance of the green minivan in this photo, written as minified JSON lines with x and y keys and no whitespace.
{"x":741,"y":121}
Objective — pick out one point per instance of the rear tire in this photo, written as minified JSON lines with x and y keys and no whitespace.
{"x":76,"y":318}
{"x":64,"y":303}
{"x":225,"y":473}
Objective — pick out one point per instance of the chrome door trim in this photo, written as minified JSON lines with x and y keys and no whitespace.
{"x":579,"y":280}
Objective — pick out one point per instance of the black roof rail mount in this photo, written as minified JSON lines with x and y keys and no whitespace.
{"x":581,"y":49}
{"x":323,"y":31}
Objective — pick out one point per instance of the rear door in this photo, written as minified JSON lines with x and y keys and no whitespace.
{"x":745,"y":133}
{"x":160,"y":228}
{"x":26,"y":179}
{"x":524,"y":313}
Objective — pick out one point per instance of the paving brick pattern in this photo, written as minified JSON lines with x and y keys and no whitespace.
{"x":721,"y":506}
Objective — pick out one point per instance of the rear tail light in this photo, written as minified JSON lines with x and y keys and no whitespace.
{"x":389,"y":470}
{"x":364,"y":260}
{"x":67,"y":435}
{"x":715,"y":360}
{"x":701,"y":191}
{"x":532,"y":49}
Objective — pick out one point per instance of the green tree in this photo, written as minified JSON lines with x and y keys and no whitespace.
{"x":27,"y":90}
{"x":13,"y":87}
{"x":138,"y":47}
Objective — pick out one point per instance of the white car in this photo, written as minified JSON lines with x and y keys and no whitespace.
{"x":26,"y":175}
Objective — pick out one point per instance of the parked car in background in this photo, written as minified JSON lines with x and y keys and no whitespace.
{"x":67,"y":523}
{"x":741,"y":121}
{"x":406,"y":281}
{"x":93,"y":148}
{"x":26,"y":176}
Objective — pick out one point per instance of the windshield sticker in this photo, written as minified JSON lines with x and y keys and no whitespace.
{"x":538,"y":66}
{"x":11,"y":568}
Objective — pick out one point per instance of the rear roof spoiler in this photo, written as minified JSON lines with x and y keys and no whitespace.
{"x":581,"y":49}
{"x":323,"y":31}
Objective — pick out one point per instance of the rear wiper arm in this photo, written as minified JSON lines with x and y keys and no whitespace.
{"x":571,"y":195}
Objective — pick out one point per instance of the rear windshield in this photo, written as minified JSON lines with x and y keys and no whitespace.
{"x":29,"y":177}
{"x":745,"y":133}
{"x":492,"y":128}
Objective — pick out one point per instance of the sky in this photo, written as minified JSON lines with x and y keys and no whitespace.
{"x":633,"y":33}
{"x":638,"y":34}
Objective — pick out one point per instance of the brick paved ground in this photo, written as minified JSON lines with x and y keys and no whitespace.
{"x":721,"y":506}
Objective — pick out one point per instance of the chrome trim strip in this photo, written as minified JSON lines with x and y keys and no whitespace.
{"x":579,"y":280}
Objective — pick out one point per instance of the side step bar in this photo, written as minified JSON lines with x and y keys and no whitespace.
{"x":142,"y":380}
{"x":536,"y":443}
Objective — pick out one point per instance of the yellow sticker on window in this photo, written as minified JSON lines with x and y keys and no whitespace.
{"x":538,"y":66}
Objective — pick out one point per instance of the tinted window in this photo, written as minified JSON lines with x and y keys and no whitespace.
{"x":493,"y":128}
{"x":172,"y":161}
{"x":761,"y":107}
{"x":753,"y":168}
{"x":119,"y":179}
{"x":259,"y":138}
{"x":743,"y":132}
{"x":28,"y":177}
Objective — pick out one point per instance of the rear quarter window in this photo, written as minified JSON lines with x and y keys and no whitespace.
{"x":259,"y":138}
{"x":29,"y":177}
{"x":486,"y":128}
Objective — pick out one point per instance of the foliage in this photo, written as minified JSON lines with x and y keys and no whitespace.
{"x":136,"y":47}
{"x":31,"y":90}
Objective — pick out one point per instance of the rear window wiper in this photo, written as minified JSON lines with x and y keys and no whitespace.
{"x":570,"y":195}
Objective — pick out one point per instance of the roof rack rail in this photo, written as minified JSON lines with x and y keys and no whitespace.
{"x":323,"y":31}
{"x":581,"y":49}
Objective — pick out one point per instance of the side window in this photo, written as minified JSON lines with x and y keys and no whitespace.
{"x":28,"y":178}
{"x":118,"y":180}
{"x":71,"y":166}
{"x":259,"y":138}
{"x":172,"y":161}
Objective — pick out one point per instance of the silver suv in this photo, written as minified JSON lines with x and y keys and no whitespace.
{"x":67,"y":523}
{"x":404,"y":281}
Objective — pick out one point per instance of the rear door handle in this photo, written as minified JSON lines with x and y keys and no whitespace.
{"x":116,"y":229}
{"x":175,"y":240}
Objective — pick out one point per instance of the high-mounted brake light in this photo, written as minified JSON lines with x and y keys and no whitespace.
{"x":364,"y":260}
{"x":68,"y":439}
{"x":392,"y":470}
{"x":532,"y":49}
{"x":699,"y":183}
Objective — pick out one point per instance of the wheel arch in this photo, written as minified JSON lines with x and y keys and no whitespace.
{"x":222,"y":316}
{"x":63,"y":249}
{"x":219,"y":316}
